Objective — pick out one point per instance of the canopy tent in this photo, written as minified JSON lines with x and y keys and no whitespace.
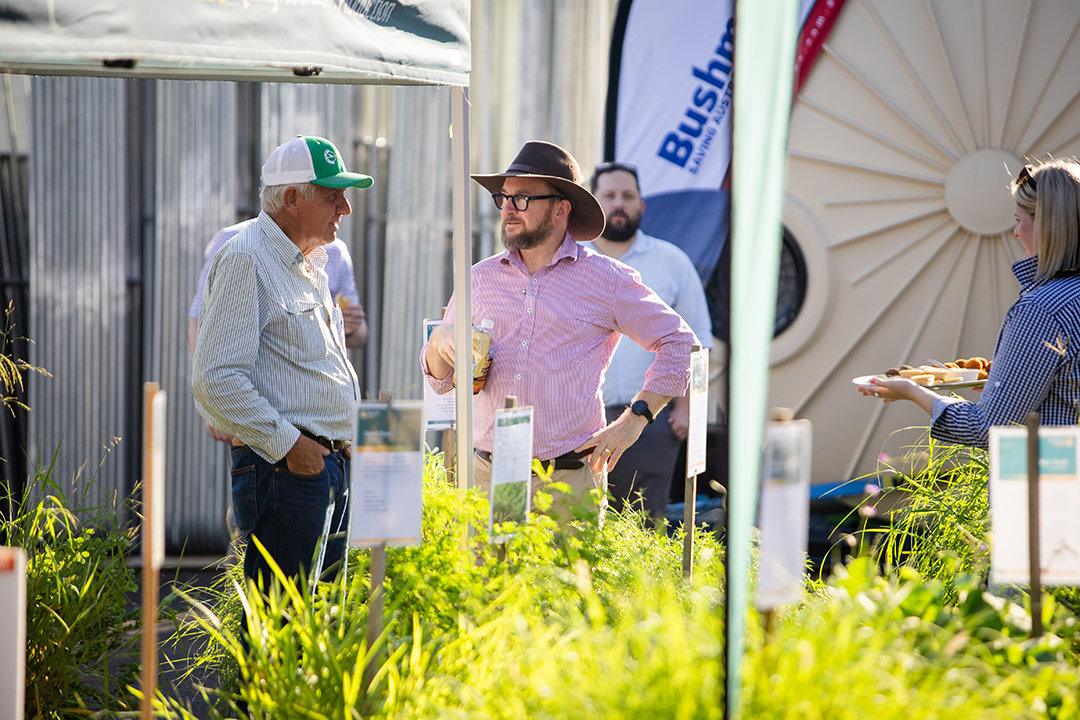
{"x":348,"y":41}
{"x":418,"y":42}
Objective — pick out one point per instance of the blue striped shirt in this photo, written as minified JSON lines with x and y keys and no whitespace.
{"x":1036,"y":364}
{"x":270,"y":356}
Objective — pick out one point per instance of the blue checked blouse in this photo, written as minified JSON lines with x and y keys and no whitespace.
{"x":1036,"y":364}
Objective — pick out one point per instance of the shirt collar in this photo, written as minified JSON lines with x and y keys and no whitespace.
{"x":569,"y":248}
{"x":278,"y":242}
{"x":1024,"y":270}
{"x":638,"y":244}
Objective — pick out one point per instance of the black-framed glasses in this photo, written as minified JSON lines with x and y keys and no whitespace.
{"x":1025,"y":177}
{"x":612,"y":166}
{"x":521,"y":201}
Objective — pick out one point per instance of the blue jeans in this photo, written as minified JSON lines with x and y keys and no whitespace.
{"x":301,"y":520}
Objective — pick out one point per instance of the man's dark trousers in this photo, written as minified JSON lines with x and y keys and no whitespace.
{"x":643,"y":475}
{"x":301,"y":520}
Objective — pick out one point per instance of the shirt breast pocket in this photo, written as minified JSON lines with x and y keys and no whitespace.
{"x":304,"y":333}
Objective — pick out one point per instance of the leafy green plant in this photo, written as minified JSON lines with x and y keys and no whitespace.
{"x":626,"y":656}
{"x":455,"y":579}
{"x":938,"y":516}
{"x":591,"y":620}
{"x":898,"y":647}
{"x":941,"y":525}
{"x":12,"y":368}
{"x":79,"y":624}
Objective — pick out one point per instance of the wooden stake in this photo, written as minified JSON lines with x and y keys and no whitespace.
{"x":449,"y":442}
{"x":153,"y":537}
{"x":689,"y":511}
{"x":1033,"y":523}
{"x":375,"y":611}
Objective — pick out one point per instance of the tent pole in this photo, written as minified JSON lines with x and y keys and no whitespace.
{"x":462,"y":287}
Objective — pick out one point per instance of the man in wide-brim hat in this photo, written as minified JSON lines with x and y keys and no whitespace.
{"x":557,"y":311}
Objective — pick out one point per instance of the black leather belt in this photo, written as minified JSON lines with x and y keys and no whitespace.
{"x":331,"y":445}
{"x":566,"y":461}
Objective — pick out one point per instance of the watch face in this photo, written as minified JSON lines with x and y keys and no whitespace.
{"x":640,"y":407}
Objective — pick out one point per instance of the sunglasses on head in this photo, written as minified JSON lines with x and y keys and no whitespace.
{"x":1025,"y":177}
{"x":606,"y":167}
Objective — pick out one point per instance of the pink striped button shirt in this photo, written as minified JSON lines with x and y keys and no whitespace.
{"x":553,"y":336}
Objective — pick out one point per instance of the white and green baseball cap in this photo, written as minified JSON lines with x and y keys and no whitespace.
{"x":310,"y":159}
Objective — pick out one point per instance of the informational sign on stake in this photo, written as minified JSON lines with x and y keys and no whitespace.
{"x":784,"y":512}
{"x":511,"y":466}
{"x":438,"y":409}
{"x":695,"y":449}
{"x":386,"y":494}
{"x":699,"y":412}
{"x":153,"y":535}
{"x":1058,"y":491}
{"x":12,"y":632}
{"x":387,"y":474}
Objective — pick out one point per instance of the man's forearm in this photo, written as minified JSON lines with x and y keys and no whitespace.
{"x":357,"y":337}
{"x":655,"y":401}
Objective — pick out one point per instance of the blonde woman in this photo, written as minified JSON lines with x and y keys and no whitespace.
{"x":1036,"y":363}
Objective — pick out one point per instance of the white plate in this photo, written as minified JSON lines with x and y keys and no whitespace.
{"x":865,"y":380}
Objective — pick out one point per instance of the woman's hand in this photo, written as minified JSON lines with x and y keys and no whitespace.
{"x":888,"y":389}
{"x":898,"y":388}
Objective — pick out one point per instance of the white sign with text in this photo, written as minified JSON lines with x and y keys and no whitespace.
{"x":699,"y":412}
{"x":784,"y":512}
{"x":511,"y":465}
{"x":387,"y":475}
{"x":439,"y":410}
{"x":1059,"y":497}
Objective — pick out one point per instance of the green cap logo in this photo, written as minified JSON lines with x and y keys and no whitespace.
{"x":329,"y":169}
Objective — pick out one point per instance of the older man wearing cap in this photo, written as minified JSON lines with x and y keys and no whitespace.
{"x":559,"y":310}
{"x":270,"y":365}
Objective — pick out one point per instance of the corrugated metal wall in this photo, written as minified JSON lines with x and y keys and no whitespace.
{"x":130,"y":179}
{"x":419,"y":230}
{"x":14,"y":271}
{"x":79,"y":238}
{"x":196,"y":184}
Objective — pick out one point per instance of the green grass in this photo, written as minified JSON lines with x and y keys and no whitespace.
{"x":871,"y":646}
{"x":590,"y":621}
{"x":941,"y":520}
{"x":79,"y":627}
{"x":583,"y":620}
{"x":567,"y":622}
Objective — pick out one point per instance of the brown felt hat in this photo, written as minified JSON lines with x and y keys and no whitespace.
{"x":543,"y":160}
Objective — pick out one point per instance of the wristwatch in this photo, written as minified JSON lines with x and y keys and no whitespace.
{"x":640,"y":407}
